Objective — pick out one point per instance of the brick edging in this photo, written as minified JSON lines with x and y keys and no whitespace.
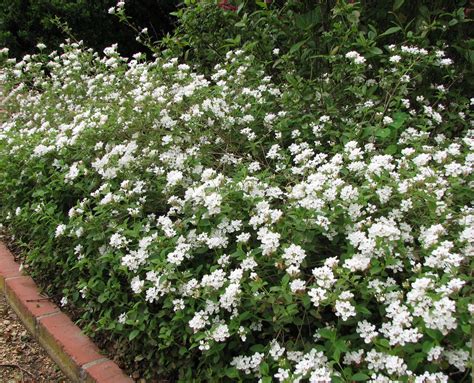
{"x":76,"y":355}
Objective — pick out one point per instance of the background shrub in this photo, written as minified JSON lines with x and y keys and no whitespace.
{"x":24,"y":23}
{"x":305,"y":31}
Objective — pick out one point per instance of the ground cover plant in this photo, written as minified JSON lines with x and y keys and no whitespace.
{"x":228,"y":227}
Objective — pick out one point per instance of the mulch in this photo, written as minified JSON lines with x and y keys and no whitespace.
{"x":22,"y":359}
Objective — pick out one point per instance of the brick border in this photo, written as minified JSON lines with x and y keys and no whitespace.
{"x":76,"y":355}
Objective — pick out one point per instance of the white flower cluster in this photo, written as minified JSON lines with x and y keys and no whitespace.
{"x":355,"y":57}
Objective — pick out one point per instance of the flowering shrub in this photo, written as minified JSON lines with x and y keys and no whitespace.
{"x":216,"y":229}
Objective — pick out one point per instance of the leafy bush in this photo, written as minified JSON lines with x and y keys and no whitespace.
{"x":305,"y":30}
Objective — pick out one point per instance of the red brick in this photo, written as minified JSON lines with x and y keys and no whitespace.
{"x":8,"y":267}
{"x":106,"y":372}
{"x":66,"y":344}
{"x":74,"y":352}
{"x":25,"y":299}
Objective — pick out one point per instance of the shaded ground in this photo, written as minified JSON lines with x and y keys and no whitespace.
{"x":21,"y":357}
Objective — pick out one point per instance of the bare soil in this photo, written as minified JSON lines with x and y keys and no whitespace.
{"x":22,"y":359}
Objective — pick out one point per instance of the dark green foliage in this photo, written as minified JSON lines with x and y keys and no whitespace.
{"x":307,"y":32}
{"x":24,"y":23}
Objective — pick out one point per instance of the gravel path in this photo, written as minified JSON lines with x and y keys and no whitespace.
{"x":21,"y":358}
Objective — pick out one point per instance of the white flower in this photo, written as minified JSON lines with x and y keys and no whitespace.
{"x":353,"y":357}
{"x":324,"y":276}
{"x":297,"y":285}
{"x":248,"y":364}
{"x":178,"y":255}
{"x":220,"y":333}
{"x":358,"y":262}
{"x":174,"y":177}
{"x":445,"y":62}
{"x":344,"y":308}
{"x":317,"y":294}
{"x":270,"y":240}
{"x":276,"y":351}
{"x":458,"y":358}
{"x":243,"y":237}
{"x":434,"y":353}
{"x":293,"y":256}
{"x":178,"y":304}
{"x":395,"y":59}
{"x":254,"y":167}
{"x":355,"y":57}
{"x":60,"y":230}
{"x":122,"y":318}
{"x":137,"y":285}
{"x":215,"y":280}
{"x":118,"y":241}
{"x":282,"y":375}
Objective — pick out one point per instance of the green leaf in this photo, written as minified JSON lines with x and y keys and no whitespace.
{"x":415,"y":360}
{"x":354,"y":17}
{"x":309,"y":19}
{"x":362,"y":309}
{"x":452,"y":22}
{"x":434,"y":334}
{"x":327,"y":333}
{"x":384,"y":343}
{"x":334,"y":50}
{"x":390,"y":31}
{"x":232,"y":373}
{"x":297,"y":46}
{"x":336,"y":355}
{"x":398,"y":119}
{"x":257,"y":348}
{"x":383,"y":133}
{"x":391,"y":149}
{"x":427,"y":346}
{"x":424,"y":11}
{"x":375,"y":51}
{"x":264,"y":369}
{"x":340,"y":344}
{"x":369,"y":131}
{"x":360,"y":377}
{"x":102,"y":297}
{"x":133,"y":334}
{"x":397,"y":4}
